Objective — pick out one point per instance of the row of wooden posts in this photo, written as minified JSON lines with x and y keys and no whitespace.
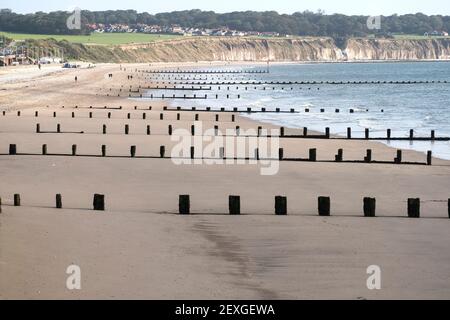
{"x":98,"y":202}
{"x":234,"y":203}
{"x":201,"y":71}
{"x":242,"y":83}
{"x":282,"y":134}
{"x":184,"y":97}
{"x":129,"y":116}
{"x":183,"y":88}
{"x":311,"y":158}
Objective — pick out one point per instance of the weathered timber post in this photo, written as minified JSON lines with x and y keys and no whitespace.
{"x":103,"y":150}
{"x":44,"y":149}
{"x":367,"y":134}
{"x":327,"y":133}
{"x":12,"y":149}
{"x":282,"y":132}
{"x":184,"y":204}
{"x":388,"y":133}
{"x":429,"y":158}
{"x":368,"y":157}
{"x":414,"y":208}
{"x":162,"y":151}
{"x":17,"y":200}
{"x":148,"y":130}
{"x":74,"y":150}
{"x":133,"y":151}
{"x":349,"y":133}
{"x":234,"y":204}
{"x":127,"y":129}
{"x":58,"y":128}
{"x":340,"y":155}
{"x":324,"y":206}
{"x":369,"y":207}
{"x":305,"y":131}
{"x":38,"y":128}
{"x":104,"y":129}
{"x":398,"y":159}
{"x":280,"y":154}
{"x":411,"y":134}
{"x":433,"y":135}
{"x":99,"y":202}
{"x":192,"y":152}
{"x":170,"y":129}
{"x":58,"y":201}
{"x":280,"y":206}
{"x":313,"y":155}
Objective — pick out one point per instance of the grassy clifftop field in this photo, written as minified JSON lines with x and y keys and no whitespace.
{"x":95,"y":38}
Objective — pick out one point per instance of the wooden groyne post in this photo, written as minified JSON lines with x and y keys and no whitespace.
{"x":17,"y":200}
{"x":414,"y":208}
{"x":429,"y":158}
{"x":368,"y":157}
{"x":370,"y":207}
{"x":184,"y":204}
{"x":324,"y":206}
{"x":398,"y":159}
{"x":280,"y":206}
{"x":234,"y":204}
{"x":340,"y":155}
{"x":58,"y":201}
{"x":312,"y":155}
{"x":99,"y":202}
{"x":12,"y":149}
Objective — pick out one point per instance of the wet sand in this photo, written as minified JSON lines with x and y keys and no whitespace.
{"x":139,"y":248}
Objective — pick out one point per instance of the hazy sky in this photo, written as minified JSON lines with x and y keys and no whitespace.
{"x":366,"y":7}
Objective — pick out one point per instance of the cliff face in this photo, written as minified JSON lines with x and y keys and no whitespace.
{"x":386,"y":49}
{"x":246,"y":49}
{"x":235,"y":49}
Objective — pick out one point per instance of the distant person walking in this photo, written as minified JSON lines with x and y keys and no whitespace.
{"x":76,"y":79}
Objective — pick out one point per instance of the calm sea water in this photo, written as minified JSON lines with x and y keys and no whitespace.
{"x":422,"y":107}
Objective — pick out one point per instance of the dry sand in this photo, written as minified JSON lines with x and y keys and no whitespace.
{"x":139,"y":248}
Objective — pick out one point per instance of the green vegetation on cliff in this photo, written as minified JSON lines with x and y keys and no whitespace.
{"x":95,"y":38}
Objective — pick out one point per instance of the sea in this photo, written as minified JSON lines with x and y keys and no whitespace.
{"x":378,"y":104}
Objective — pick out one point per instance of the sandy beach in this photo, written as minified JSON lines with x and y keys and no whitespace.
{"x":141,"y":248}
